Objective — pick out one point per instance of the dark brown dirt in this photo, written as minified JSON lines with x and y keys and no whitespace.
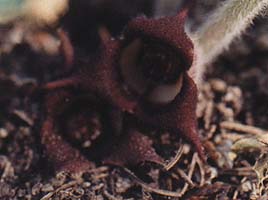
{"x":234,"y":94}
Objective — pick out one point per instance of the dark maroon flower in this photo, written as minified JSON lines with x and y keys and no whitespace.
{"x":143,"y":74}
{"x":87,"y":124}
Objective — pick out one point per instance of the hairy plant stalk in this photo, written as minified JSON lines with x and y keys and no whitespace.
{"x":223,"y":25}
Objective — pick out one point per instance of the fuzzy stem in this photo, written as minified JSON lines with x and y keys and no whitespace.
{"x":223,"y":25}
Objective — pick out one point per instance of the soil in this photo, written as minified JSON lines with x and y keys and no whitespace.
{"x":233,"y":104}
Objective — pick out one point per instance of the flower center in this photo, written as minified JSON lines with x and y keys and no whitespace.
{"x":159,"y":63}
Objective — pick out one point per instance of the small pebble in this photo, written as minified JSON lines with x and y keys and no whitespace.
{"x":218,"y":85}
{"x":3,"y":133}
{"x":47,"y":188}
{"x":86,"y":184}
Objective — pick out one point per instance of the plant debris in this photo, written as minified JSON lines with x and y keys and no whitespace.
{"x":232,"y":108}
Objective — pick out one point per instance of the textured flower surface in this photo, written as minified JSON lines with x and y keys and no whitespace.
{"x":140,"y":79}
